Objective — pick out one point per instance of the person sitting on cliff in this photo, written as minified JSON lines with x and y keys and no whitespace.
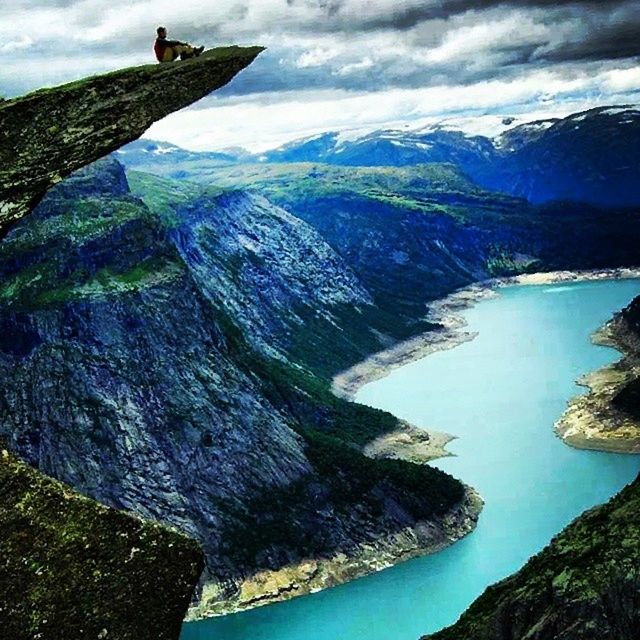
{"x":170,"y":50}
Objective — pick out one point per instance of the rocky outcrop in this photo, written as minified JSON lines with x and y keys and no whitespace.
{"x":584,"y":586}
{"x":608,"y":416}
{"x":50,"y":133}
{"x":74,"y":569}
{"x":71,"y":567}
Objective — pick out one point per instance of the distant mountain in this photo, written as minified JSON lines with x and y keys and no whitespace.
{"x":143,"y":152}
{"x":590,"y":157}
{"x":390,"y":148}
{"x":520,"y":136}
{"x":311,"y":149}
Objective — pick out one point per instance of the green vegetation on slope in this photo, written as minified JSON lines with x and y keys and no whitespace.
{"x":415,"y":188}
{"x":284,"y":521}
{"x":44,"y":263}
{"x":71,"y":568}
{"x":163,"y":196}
{"x":345,"y":482}
{"x":584,"y":586}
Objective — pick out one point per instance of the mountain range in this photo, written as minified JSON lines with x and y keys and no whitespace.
{"x":588,"y":157}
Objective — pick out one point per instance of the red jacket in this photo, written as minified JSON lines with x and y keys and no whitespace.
{"x":161,"y":45}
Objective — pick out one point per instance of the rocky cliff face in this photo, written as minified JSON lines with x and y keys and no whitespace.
{"x":266,"y":267}
{"x":584,"y":586}
{"x":415,"y":234}
{"x":46,"y":135}
{"x":274,"y":274}
{"x":144,"y":361}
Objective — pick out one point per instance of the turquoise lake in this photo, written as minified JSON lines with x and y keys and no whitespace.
{"x":500,"y":394}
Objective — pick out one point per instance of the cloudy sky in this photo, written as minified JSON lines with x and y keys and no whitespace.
{"x":342,"y":64}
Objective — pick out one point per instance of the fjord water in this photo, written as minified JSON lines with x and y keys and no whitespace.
{"x":500,"y":394}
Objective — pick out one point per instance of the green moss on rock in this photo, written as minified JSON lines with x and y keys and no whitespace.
{"x":71,"y":568}
{"x":100,"y":114}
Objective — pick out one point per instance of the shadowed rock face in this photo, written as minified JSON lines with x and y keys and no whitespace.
{"x":71,"y":567}
{"x":46,"y":135}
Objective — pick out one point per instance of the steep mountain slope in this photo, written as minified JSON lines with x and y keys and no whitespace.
{"x":587,"y":157}
{"x":269,"y":269}
{"x":130,"y":371}
{"x":46,"y":135}
{"x":584,"y":586}
{"x":135,"y":579}
{"x":412,"y":234}
{"x":274,"y":274}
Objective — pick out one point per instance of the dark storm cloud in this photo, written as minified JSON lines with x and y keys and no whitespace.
{"x":407,"y":14}
{"x":608,"y":42}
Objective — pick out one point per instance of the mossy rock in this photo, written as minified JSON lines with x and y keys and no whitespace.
{"x":72,"y":568}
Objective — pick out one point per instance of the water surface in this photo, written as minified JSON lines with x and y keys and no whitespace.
{"x":500,"y":394}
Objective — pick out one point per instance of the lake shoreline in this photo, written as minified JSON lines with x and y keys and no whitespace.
{"x":268,"y":588}
{"x":312,"y":575}
{"x":408,"y":442}
{"x":591,"y":421}
{"x":446,"y":312}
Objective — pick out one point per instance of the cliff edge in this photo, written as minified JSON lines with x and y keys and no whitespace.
{"x":48,"y":134}
{"x":70,"y":566}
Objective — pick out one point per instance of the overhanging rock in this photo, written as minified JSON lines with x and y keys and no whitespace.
{"x":46,"y":135}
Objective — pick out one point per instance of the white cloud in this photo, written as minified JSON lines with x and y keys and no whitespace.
{"x":24,"y":42}
{"x":623,"y":79}
{"x":316,"y":57}
{"x":354,"y":67}
{"x":471,"y":42}
{"x":268,"y":120}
